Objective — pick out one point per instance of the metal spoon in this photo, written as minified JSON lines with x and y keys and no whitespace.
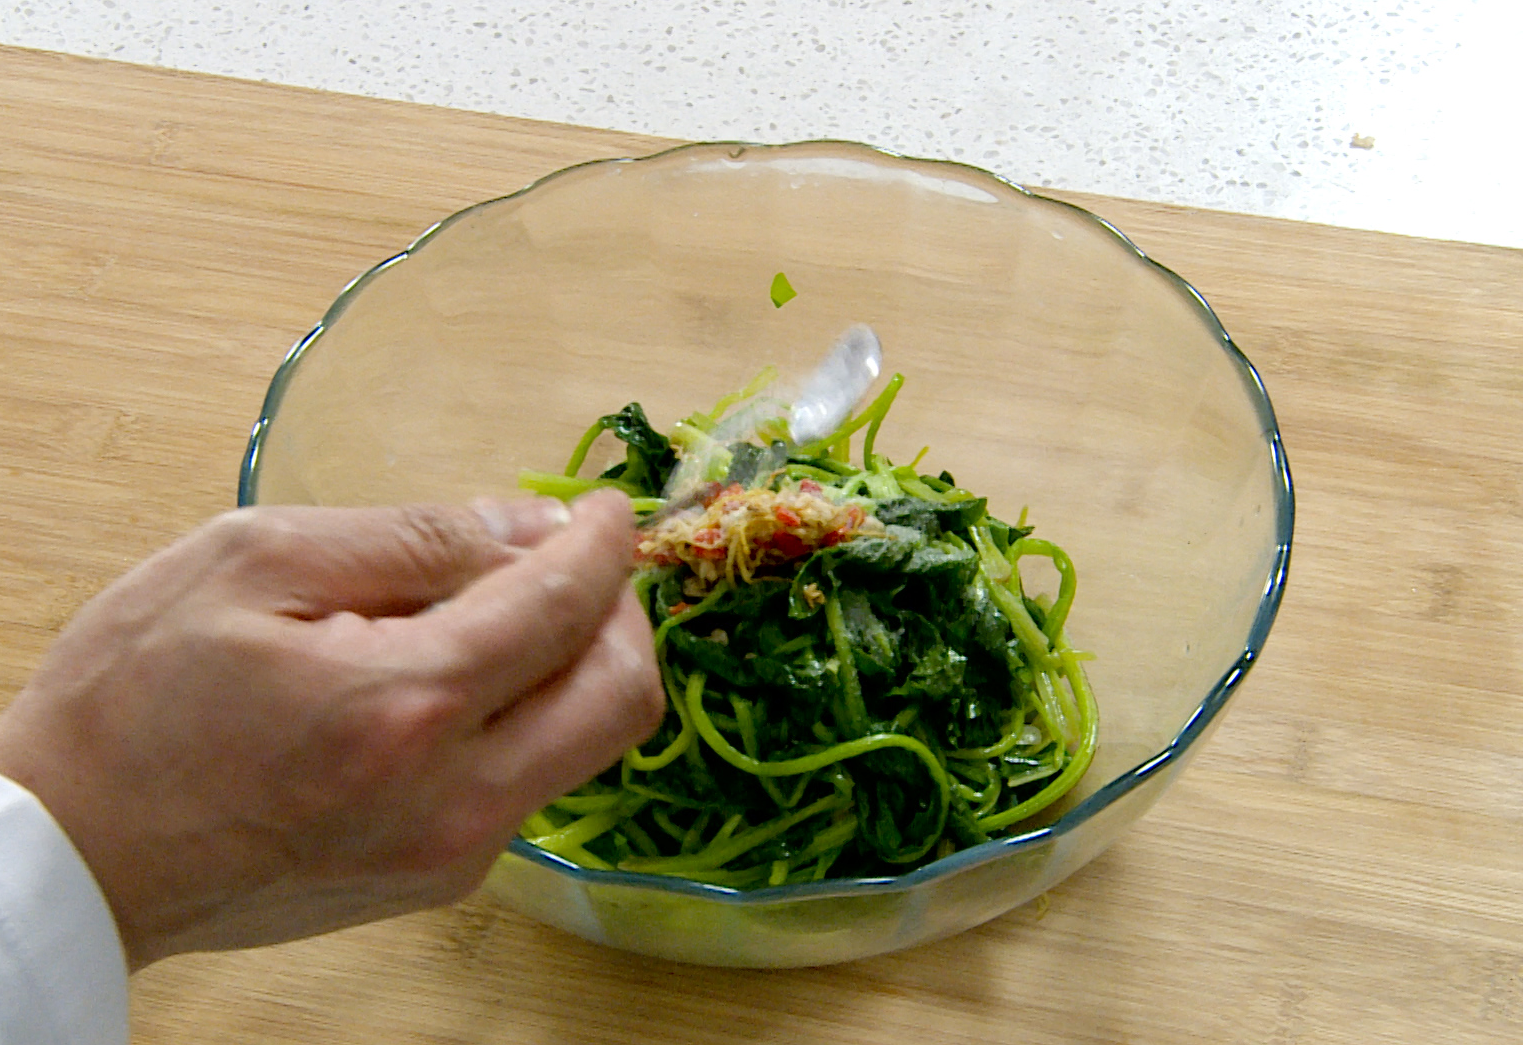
{"x":847,"y":372}
{"x":836,"y":386}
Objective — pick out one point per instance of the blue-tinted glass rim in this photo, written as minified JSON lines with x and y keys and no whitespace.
{"x":1199,"y":721}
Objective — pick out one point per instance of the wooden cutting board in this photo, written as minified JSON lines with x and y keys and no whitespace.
{"x":1343,"y":863}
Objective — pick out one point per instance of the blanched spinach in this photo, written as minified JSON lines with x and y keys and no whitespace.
{"x":875,"y":705}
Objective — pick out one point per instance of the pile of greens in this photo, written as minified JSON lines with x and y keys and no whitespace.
{"x":926,"y":704}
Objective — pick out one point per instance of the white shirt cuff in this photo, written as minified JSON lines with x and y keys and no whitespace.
{"x":63,"y":975}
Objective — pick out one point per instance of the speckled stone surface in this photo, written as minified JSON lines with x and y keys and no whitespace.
{"x":1399,"y":115}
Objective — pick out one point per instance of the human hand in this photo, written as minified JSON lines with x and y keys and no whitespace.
{"x":297,"y":719}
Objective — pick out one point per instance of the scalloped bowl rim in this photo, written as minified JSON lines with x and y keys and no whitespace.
{"x":1215,"y":699}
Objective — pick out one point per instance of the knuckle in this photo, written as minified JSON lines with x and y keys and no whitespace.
{"x":236,"y":530}
{"x":416,"y":721}
{"x":379,"y":743}
{"x":436,"y":539}
{"x":565,"y":606}
{"x":397,"y":735}
{"x":253,"y":535}
{"x":646,"y":706}
{"x":653,"y":708}
{"x":469,"y":835}
{"x":641,"y":699}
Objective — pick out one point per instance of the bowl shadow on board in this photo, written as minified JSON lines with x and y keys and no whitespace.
{"x":637,"y":998}
{"x":1028,"y":959}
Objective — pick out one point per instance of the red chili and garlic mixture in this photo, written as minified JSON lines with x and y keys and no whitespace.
{"x":739,"y":532}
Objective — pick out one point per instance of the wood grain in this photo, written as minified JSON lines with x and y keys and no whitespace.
{"x":1344,"y":863}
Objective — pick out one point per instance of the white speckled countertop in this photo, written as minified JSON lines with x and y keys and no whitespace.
{"x":1398,"y":115}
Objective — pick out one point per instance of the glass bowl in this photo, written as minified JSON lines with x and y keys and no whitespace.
{"x":1048,"y":364}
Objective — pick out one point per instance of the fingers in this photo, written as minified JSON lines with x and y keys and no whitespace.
{"x":314,"y":562}
{"x":522,"y":523}
{"x":573,"y":729}
{"x":527,"y":621}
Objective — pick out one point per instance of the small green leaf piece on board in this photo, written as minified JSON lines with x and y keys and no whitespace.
{"x":782,"y":291}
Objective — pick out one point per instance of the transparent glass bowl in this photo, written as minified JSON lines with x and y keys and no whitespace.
{"x":1049,"y":364}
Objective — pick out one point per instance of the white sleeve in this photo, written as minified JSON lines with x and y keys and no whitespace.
{"x":63,"y":976}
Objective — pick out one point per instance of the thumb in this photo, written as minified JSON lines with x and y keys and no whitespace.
{"x":395,"y":561}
